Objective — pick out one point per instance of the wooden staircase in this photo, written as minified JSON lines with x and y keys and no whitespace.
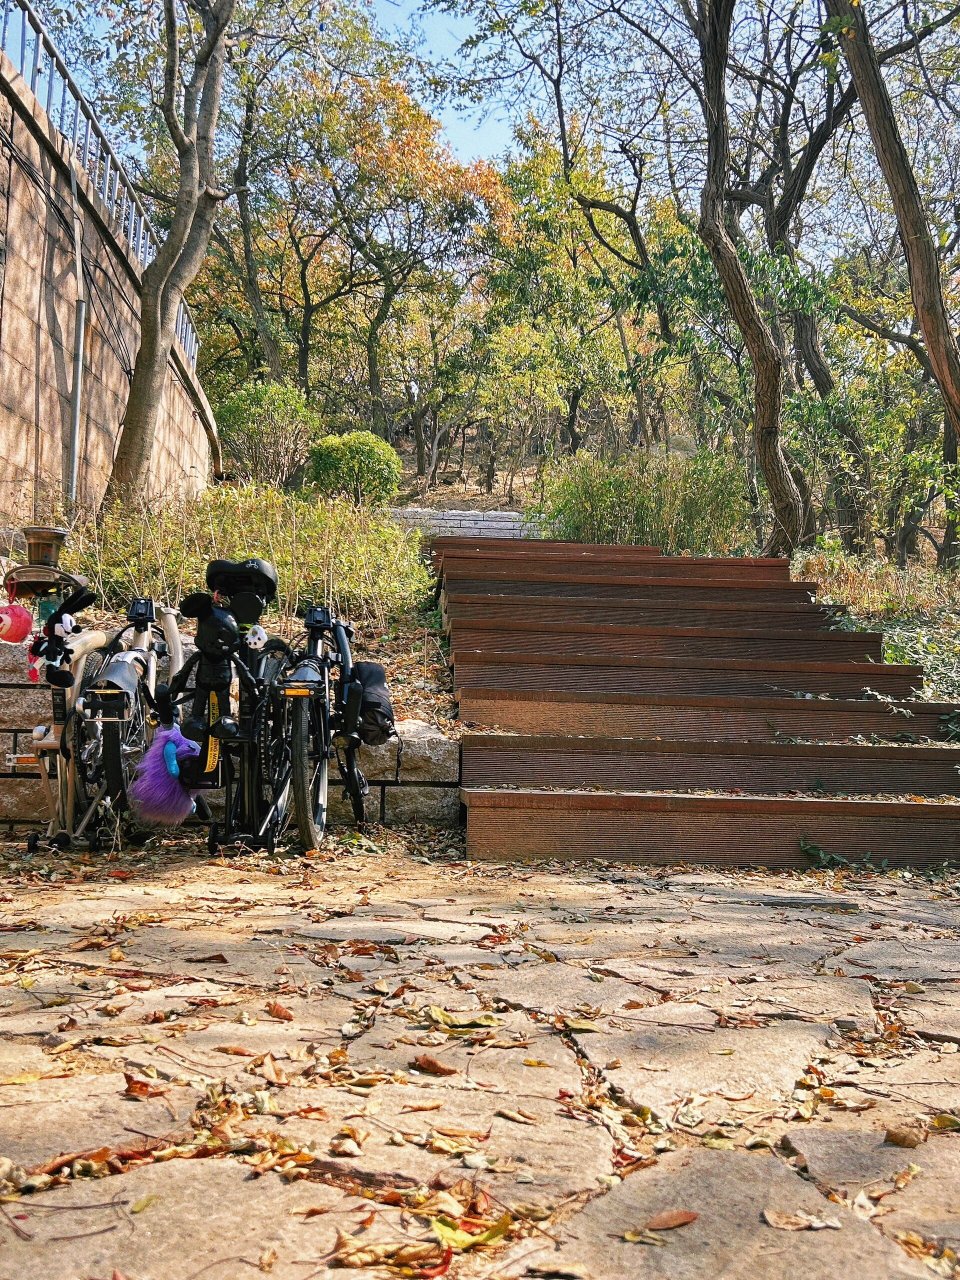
{"x":664,"y":709}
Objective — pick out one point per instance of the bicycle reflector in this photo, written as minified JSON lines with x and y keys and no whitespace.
{"x":305,"y":682}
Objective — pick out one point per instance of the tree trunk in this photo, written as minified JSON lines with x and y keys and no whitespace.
{"x":713,"y":35}
{"x":923,"y":267}
{"x":191,"y":111}
{"x":852,"y":485}
{"x":572,"y":437}
{"x":272,"y":359}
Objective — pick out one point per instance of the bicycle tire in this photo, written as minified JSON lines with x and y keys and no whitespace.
{"x":310,"y":769}
{"x":124,"y":745}
{"x":274,"y":758}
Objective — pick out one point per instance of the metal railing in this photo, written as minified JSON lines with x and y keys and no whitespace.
{"x":26,"y":43}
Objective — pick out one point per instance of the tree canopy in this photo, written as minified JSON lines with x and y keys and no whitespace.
{"x":693,"y":243}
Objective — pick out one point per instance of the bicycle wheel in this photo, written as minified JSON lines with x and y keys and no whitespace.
{"x":125,"y":736}
{"x":275,"y":757}
{"x":310,"y":740}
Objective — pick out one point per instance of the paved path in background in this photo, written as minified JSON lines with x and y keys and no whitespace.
{"x":389,"y":1061}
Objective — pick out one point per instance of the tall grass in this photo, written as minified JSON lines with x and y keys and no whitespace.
{"x":365,"y":564}
{"x":917,"y":608}
{"x":678,"y":503}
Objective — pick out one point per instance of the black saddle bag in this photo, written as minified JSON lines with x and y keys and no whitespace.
{"x":376,"y":712}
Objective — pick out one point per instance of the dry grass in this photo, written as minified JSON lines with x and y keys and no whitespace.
{"x":917,"y":608}
{"x":877,"y":589}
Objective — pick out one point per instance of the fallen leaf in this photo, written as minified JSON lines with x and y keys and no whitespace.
{"x":800,"y":1221}
{"x":266,"y":1260}
{"x":671,"y":1218}
{"x":460,"y":1021}
{"x":903,"y":1136}
{"x":279,"y":1011}
{"x":237,"y":1050}
{"x":356,"y":1254}
{"x":141,"y":1088}
{"x":536,"y":1062}
{"x":424,"y":1106}
{"x":143,"y":1203}
{"x":518,"y":1117}
{"x":580,"y":1024}
{"x":455,"y":1237}
{"x":945,"y":1121}
{"x":433,"y":1066}
{"x":636,"y":1235}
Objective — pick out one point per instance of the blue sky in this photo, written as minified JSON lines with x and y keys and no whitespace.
{"x":473,"y":133}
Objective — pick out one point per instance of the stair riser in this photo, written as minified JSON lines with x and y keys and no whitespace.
{"x":457,"y":567}
{"x":763,"y":775}
{"x":666,"y":595}
{"x":771,"y":618}
{"x":844,"y":647}
{"x":517,"y":547}
{"x":459,"y":562}
{"x":759,"y":682}
{"x":714,"y":839}
{"x":795,"y":719}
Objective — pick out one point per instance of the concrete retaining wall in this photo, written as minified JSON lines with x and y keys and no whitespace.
{"x":38,"y":316}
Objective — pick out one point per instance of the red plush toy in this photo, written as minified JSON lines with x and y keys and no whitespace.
{"x":16,"y":623}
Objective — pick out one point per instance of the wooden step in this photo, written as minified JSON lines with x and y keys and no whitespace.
{"x":727,"y":831}
{"x":706,"y":676}
{"x":699,"y":718}
{"x":449,"y":544}
{"x":460,"y":566}
{"x":631,"y":589}
{"x":505,"y":610}
{"x":630,"y":764}
{"x":609,"y":640}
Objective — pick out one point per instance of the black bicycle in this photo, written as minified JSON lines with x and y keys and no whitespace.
{"x":326,"y":720}
{"x":237,"y":711}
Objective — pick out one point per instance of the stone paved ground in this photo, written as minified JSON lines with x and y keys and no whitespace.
{"x":386,"y":1059}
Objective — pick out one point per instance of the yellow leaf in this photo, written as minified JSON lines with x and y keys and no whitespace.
{"x":454,"y":1237}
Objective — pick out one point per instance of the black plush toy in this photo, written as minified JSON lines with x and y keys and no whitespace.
{"x":50,"y":645}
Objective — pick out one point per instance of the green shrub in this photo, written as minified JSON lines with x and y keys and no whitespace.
{"x":267,"y":430}
{"x":357,"y":465}
{"x":368,"y":566}
{"x":676,"y":502}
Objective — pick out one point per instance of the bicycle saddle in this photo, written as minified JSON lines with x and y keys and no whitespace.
{"x":232,"y":577}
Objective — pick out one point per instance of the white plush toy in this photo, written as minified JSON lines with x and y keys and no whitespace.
{"x":256,"y":637}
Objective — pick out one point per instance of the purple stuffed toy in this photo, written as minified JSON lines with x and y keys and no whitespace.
{"x":158,"y":793}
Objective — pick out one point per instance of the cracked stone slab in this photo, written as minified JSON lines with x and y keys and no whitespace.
{"x":209,"y":1216}
{"x":657,"y":1063}
{"x":919,"y":960}
{"x":533,"y":1153}
{"x":850,"y":1160}
{"x":83,"y":1113}
{"x":564,"y":988}
{"x":935,"y":1016}
{"x":820,"y":998}
{"x":728,"y":1241}
{"x":523,"y":1057}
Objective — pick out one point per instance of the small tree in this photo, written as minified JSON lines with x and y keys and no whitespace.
{"x":359,"y":464}
{"x":190,"y":108}
{"x":267,"y":430}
